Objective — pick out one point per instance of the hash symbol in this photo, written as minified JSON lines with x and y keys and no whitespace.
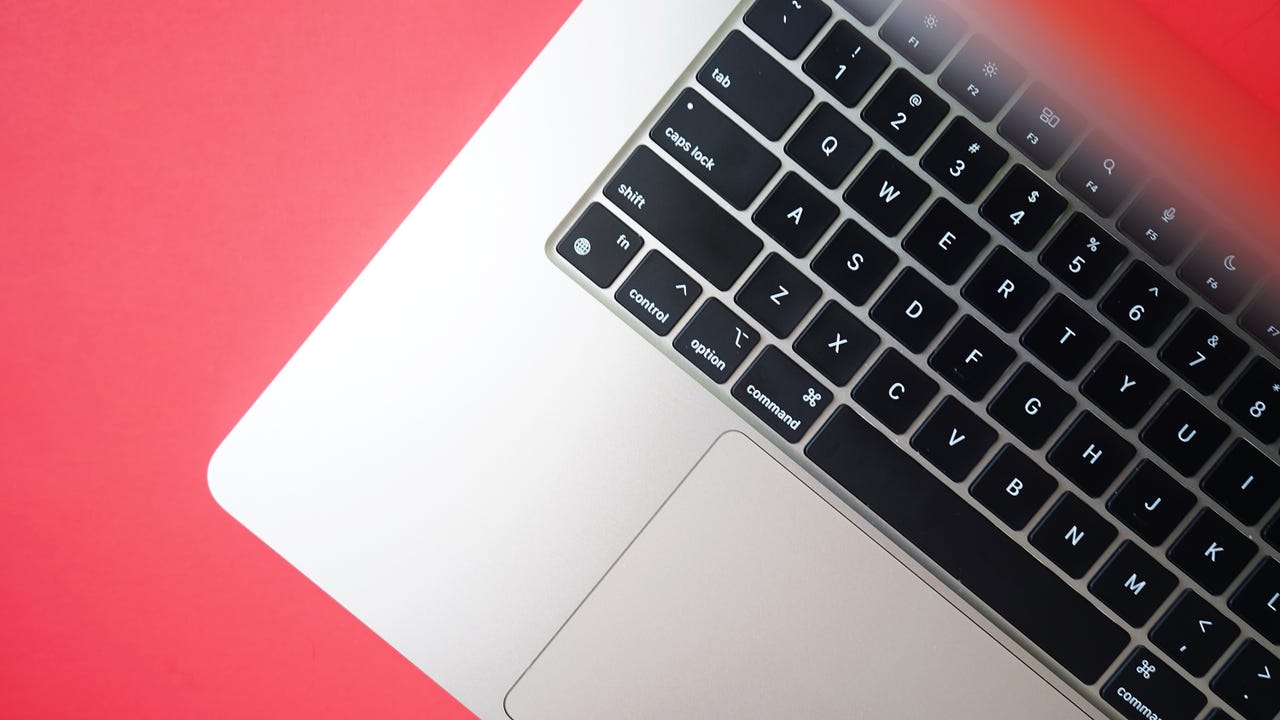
{"x":974,"y":148}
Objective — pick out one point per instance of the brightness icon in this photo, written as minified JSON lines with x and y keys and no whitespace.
{"x":931,"y":21}
{"x":990,"y":70}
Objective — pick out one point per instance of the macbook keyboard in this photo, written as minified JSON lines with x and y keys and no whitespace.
{"x":928,"y":279}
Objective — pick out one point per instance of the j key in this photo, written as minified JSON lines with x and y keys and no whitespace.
{"x":1064,"y":337}
{"x":1041,"y":125}
{"x":714,"y":149}
{"x":1124,"y":385}
{"x":1073,"y":536}
{"x":828,"y":146}
{"x":1254,"y":400}
{"x":887,"y":193}
{"x":1151,"y":503}
{"x":1090,"y":454}
{"x":1245,"y":482}
{"x":836,"y":343}
{"x":1100,"y":174}
{"x":854,"y":263}
{"x":795,"y":214}
{"x":868,"y":11}
{"x":895,"y":391}
{"x":599,"y":245}
{"x":1145,"y":687}
{"x":924,"y":32}
{"x":1262,"y":319}
{"x":1013,"y":487}
{"x":776,"y":390}
{"x":683,"y":218}
{"x":1023,"y":207}
{"x":1194,"y":633}
{"x":905,"y":112}
{"x":995,"y":568}
{"x":953,"y":439}
{"x":1083,"y":256}
{"x":658,"y":293}
{"x":1250,"y":682}
{"x":754,"y":85}
{"x":778,"y":295}
{"x":982,"y":77}
{"x":946,"y":241}
{"x":1160,"y":222}
{"x":1142,"y":303}
{"x":913,"y":310}
{"x":1221,"y":273}
{"x":1203,"y":352}
{"x":1211,"y":552}
{"x":1184,"y":433}
{"x":1031,"y":406}
{"x":972,"y":358}
{"x":964,"y":159}
{"x":716,"y":341}
{"x":846,"y":63}
{"x":787,"y":25}
{"x":1258,"y":599}
{"x":1005,"y":289}
{"x":1132,"y":584}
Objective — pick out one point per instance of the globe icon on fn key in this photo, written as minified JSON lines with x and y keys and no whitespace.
{"x":582,"y":246}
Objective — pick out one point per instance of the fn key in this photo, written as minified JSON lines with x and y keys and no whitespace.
{"x":599,"y":245}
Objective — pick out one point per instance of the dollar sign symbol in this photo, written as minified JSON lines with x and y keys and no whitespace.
{"x":1034,"y":196}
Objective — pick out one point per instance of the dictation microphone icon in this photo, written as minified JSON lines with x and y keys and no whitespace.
{"x":1169,"y":214}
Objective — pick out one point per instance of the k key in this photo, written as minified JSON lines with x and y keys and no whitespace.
{"x":1211,"y":551}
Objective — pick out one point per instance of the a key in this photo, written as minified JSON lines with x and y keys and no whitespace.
{"x":964,"y":159}
{"x":1064,"y":337}
{"x":1211,"y":552}
{"x":780,"y":393}
{"x":1041,"y":125}
{"x":1073,"y":536}
{"x":716,"y":341}
{"x":905,"y":112}
{"x":1142,"y":303}
{"x":982,"y":77}
{"x":1090,"y":454}
{"x":971,"y":358}
{"x":828,"y":145}
{"x":1262,"y":319}
{"x":1244,"y":481}
{"x":836,"y":343}
{"x":1250,"y":682}
{"x":1005,"y":289}
{"x":1203,"y":352}
{"x":778,"y":296}
{"x":1013,"y":487}
{"x":924,"y":32}
{"x":1132,"y":584}
{"x":1194,"y":633}
{"x":795,"y":214}
{"x":1221,"y":272}
{"x":1031,"y":406}
{"x":895,"y":391}
{"x":1023,"y":207}
{"x":946,"y":241}
{"x":1254,"y":400}
{"x":1100,"y":174}
{"x":953,"y":439}
{"x":966,"y":545}
{"x":1161,"y":222}
{"x":1083,"y":256}
{"x":913,"y":310}
{"x":1145,"y":688}
{"x":1257,"y":600}
{"x":886,"y":193}
{"x":854,"y":263}
{"x":1151,"y":503}
{"x":1184,"y":433}
{"x":754,"y":85}
{"x":868,"y":11}
{"x":599,"y":245}
{"x":658,"y":293}
{"x":1124,"y":385}
{"x":787,"y":25}
{"x":846,"y":63}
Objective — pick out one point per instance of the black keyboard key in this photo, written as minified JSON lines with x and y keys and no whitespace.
{"x":1250,"y":682}
{"x":846,"y":63}
{"x":1160,"y":222}
{"x":1216,"y":714}
{"x":1203,"y":352}
{"x":1124,"y":385}
{"x":754,"y":85}
{"x":1023,"y":207}
{"x":972,"y":358}
{"x":1031,"y":406}
{"x":1194,"y":633}
{"x":968,"y":546}
{"x":1013,"y":487}
{"x":787,"y":25}
{"x":716,"y":341}
{"x":1083,"y":256}
{"x":1005,"y":289}
{"x":1100,"y":174}
{"x":778,"y":295}
{"x":1041,"y":125}
{"x":836,"y":343}
{"x":828,"y":145}
{"x":895,"y":391}
{"x":946,"y":241}
{"x":683,"y":218}
{"x":913,"y":310}
{"x":1145,"y":688}
{"x":982,"y":77}
{"x":1262,"y":319}
{"x":1221,"y":272}
{"x":658,"y":293}
{"x":854,"y":263}
{"x":1151,"y":503}
{"x":1132,"y":584}
{"x":1073,"y":536}
{"x":1254,"y":400}
{"x":1142,"y":303}
{"x":1272,"y":532}
{"x":1244,"y":482}
{"x":1090,"y":454}
{"x":795,"y":214}
{"x":599,"y":245}
{"x":1211,"y":552}
{"x":924,"y":32}
{"x":905,"y":112}
{"x":1064,"y":337}
{"x":964,"y":159}
{"x":1184,"y":433}
{"x":779,"y":392}
{"x":887,"y":193}
{"x":868,"y":11}
{"x":953,"y":439}
{"x":1257,"y":600}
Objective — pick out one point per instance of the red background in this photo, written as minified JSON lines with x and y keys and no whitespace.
{"x":184,"y":192}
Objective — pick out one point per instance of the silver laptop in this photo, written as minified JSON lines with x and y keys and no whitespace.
{"x":796,"y":358}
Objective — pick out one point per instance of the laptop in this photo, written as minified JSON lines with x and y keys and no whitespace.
{"x":805,"y":358}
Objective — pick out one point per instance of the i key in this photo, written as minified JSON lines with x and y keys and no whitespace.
{"x":1245,"y":482}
